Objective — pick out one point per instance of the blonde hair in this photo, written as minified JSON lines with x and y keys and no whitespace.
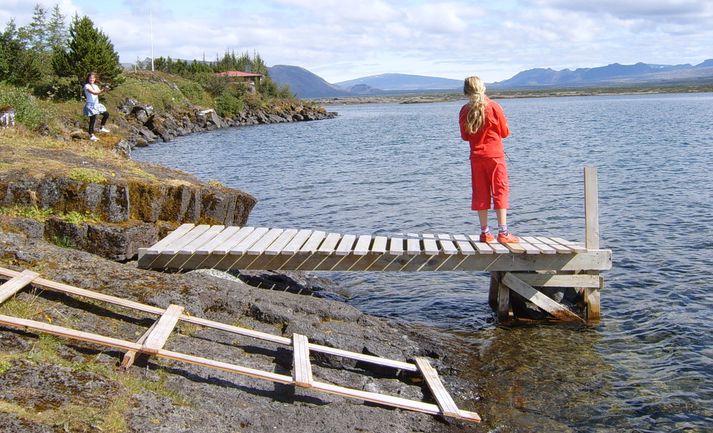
{"x":474,"y":88}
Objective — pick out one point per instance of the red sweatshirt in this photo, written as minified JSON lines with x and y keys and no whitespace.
{"x":487,"y":142}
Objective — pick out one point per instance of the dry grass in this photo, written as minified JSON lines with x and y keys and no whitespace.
{"x":27,"y":152}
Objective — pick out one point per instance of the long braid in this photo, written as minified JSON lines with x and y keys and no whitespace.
{"x":474,"y":88}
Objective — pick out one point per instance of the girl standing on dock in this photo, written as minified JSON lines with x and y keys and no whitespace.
{"x":483,"y":124}
{"x":93,"y":107}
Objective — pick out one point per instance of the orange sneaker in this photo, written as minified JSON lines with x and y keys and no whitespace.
{"x":487,"y":237}
{"x":507,"y":238}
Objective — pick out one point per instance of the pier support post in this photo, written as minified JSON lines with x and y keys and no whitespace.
{"x":591,"y":240}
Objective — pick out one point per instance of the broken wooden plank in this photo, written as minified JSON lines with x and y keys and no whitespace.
{"x":443,"y":398}
{"x":302,"y":372}
{"x":157,"y":338}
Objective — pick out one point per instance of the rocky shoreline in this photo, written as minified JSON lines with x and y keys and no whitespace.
{"x":146,"y":126}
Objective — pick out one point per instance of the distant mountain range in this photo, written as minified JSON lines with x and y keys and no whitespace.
{"x":305,"y":84}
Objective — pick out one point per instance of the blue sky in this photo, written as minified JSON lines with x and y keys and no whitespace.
{"x":341,"y":40}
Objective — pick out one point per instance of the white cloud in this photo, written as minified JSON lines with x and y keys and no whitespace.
{"x":451,"y":38}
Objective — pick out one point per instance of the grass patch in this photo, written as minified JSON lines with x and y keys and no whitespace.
{"x":5,"y":365}
{"x":21,"y":211}
{"x":62,"y":241}
{"x":87,"y":175}
{"x":76,"y":218}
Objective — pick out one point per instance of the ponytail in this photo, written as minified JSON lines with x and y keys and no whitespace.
{"x":474,"y":88}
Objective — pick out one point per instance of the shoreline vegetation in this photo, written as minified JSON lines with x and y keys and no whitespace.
{"x":435,"y":96}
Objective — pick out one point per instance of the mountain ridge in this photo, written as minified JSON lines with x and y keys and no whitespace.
{"x":306,"y":84}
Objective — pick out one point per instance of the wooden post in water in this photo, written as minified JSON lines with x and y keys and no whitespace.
{"x":591,"y":239}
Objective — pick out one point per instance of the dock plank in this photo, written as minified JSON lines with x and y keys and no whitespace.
{"x":297,"y":242}
{"x":330,"y":244}
{"x":281,"y":242}
{"x":176,"y":234}
{"x":345,"y":245}
{"x":264,"y":242}
{"x":241,"y":247}
{"x":221,"y":237}
{"x":201,"y":240}
{"x":464,"y":245}
{"x":362,"y":245}
{"x":313,"y":243}
{"x":379,"y":245}
{"x":233,"y":240}
{"x":175,"y":246}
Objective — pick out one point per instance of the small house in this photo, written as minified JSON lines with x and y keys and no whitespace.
{"x":251,"y":78}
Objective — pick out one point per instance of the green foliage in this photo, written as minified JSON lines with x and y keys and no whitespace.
{"x":87,"y":175}
{"x":18,"y":64}
{"x":76,"y":218}
{"x":27,"y":212}
{"x":89,"y":50}
{"x":5,"y":365}
{"x":228,"y":105}
{"x":29,"y":111}
{"x":195,"y":93}
{"x":62,"y":241}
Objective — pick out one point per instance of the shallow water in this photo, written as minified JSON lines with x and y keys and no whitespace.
{"x":402,"y":168}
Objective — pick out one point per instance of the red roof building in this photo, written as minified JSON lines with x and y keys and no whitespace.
{"x":238,"y":74}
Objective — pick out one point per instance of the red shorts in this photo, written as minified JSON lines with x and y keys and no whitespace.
{"x":490,"y":179}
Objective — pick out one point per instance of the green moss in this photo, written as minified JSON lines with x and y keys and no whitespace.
{"x":88,"y":175}
{"x":62,"y":241}
{"x":74,"y":217}
{"x":26,"y":211}
{"x":5,"y":365}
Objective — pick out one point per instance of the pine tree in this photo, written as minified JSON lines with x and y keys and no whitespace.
{"x":88,"y":50}
{"x":18,"y":65}
{"x":57,"y":29}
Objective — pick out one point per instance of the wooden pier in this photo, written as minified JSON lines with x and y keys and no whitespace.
{"x":531,"y":268}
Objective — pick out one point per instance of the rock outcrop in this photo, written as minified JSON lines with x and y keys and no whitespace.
{"x":147,"y":126}
{"x":129,"y":210}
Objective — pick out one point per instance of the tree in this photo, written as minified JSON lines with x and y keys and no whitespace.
{"x":18,"y":65}
{"x":88,"y":50}
{"x":56,"y":29}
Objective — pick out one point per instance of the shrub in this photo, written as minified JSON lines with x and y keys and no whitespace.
{"x":228,"y":105}
{"x":29,"y":111}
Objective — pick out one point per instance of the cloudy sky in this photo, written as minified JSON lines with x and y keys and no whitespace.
{"x":341,"y":40}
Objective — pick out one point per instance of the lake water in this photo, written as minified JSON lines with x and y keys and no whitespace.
{"x":648,"y":367}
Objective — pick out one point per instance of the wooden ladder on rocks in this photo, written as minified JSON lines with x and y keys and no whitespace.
{"x":153,"y":341}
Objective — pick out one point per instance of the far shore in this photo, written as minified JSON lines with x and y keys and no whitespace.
{"x":448,"y":96}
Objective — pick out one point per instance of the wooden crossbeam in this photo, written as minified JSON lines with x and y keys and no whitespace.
{"x":15,"y":284}
{"x":159,"y":335}
{"x":443,"y":399}
{"x":302,"y":372}
{"x":541,"y":300}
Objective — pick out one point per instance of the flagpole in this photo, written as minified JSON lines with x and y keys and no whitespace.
{"x":151,"y":34}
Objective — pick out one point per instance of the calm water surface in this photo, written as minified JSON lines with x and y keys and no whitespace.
{"x":647,"y":367}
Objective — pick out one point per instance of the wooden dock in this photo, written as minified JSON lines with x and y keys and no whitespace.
{"x":154,"y":339}
{"x":529,"y":268}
